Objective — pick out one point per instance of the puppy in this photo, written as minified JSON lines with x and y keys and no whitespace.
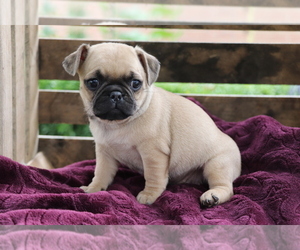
{"x":161,"y":135}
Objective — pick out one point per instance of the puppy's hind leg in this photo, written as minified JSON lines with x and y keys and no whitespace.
{"x":220,"y":174}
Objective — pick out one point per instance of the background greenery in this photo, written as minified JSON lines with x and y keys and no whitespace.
{"x":158,"y":12}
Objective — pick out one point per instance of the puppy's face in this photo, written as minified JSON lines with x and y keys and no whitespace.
{"x":115,"y":79}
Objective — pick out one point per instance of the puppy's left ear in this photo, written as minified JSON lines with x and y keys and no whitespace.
{"x":73,"y":61}
{"x":150,"y":64}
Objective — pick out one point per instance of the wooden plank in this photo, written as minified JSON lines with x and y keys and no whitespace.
{"x":7,"y":124}
{"x":61,"y":107}
{"x":7,"y":118}
{"x":19,"y":82}
{"x":31,"y":62}
{"x":62,"y":151}
{"x":261,"y":3}
{"x":19,"y":18}
{"x":54,"y":106}
{"x":31,"y":10}
{"x":167,"y":24}
{"x":18,"y":58}
{"x":196,"y":62}
{"x":284,"y":109}
{"x":5,"y":13}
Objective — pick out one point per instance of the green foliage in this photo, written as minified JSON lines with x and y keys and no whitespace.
{"x":134,"y":13}
{"x":161,"y":10}
{"x":76,"y":10}
{"x":64,"y":130}
{"x":48,"y":31}
{"x":166,"y":34}
{"x":226,"y":89}
{"x":47,"y":9}
{"x":59,"y":84}
{"x":137,"y":13}
{"x":76,"y":32}
{"x":132,"y":35}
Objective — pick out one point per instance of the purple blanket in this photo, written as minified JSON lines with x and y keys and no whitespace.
{"x":267,"y":192}
{"x":150,"y":237}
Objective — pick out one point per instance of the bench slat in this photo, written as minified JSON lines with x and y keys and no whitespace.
{"x":66,"y":107}
{"x":167,"y":24}
{"x":196,"y":62}
{"x":61,"y":107}
{"x":63,"y":150}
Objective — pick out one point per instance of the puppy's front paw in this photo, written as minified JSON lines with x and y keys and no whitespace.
{"x":146,"y":197}
{"x":92,"y":189}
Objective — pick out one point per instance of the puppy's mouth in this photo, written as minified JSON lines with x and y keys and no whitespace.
{"x":114,"y":114}
{"x":114,"y":105}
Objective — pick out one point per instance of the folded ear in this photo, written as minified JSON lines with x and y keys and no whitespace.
{"x":73,"y":61}
{"x":150,"y":64}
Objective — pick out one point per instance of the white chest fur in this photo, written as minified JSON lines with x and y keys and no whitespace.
{"x":120,"y":144}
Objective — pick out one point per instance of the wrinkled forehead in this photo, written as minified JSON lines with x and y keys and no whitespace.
{"x":113,"y":60}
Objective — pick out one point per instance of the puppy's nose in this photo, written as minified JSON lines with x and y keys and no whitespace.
{"x":116,"y":96}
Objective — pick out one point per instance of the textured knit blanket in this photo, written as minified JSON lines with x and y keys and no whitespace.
{"x":267,"y":192}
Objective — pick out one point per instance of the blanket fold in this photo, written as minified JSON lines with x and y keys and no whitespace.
{"x":266,"y":193}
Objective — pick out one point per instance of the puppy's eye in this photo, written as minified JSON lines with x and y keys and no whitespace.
{"x":92,"y":84}
{"x":135,"y":84}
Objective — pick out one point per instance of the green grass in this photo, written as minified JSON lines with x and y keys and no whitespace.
{"x":59,"y":85}
{"x":226,"y":89}
{"x":63,"y":129}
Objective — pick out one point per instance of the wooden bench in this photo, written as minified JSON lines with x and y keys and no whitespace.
{"x":181,"y":62}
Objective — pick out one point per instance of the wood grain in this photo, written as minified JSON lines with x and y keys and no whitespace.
{"x":32,"y":76}
{"x":285,"y":109}
{"x":196,"y":62}
{"x":62,"y":151}
{"x":7,"y":89}
{"x":7,"y":124}
{"x":61,"y":107}
{"x":19,"y":81}
{"x":66,"y":107}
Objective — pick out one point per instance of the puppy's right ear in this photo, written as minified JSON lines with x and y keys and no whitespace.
{"x":73,"y":61}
